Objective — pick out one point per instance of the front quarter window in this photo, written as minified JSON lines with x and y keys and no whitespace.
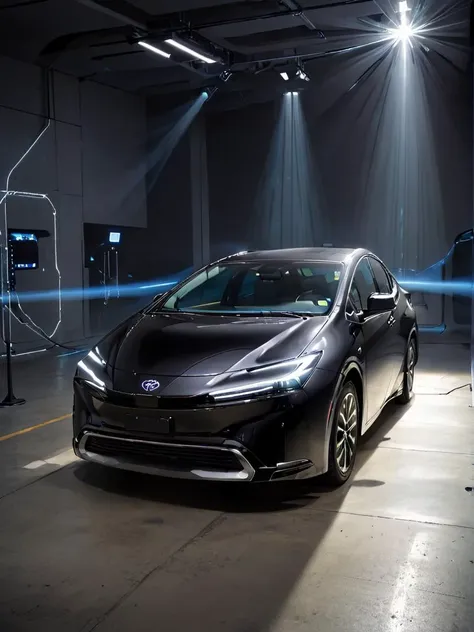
{"x":363,"y":285}
{"x":205,"y":290}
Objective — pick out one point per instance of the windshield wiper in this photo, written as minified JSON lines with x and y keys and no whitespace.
{"x":271,"y":313}
{"x":261,"y":313}
{"x":293,"y":314}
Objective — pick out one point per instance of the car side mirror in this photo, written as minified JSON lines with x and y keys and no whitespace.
{"x":378,"y":303}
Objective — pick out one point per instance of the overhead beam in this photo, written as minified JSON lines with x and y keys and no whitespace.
{"x":73,"y":41}
{"x":119,"y":10}
{"x":297,"y":11}
{"x":235,"y":13}
{"x":20,"y":5}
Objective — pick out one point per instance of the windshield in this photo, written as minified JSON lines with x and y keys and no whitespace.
{"x":256,"y":288}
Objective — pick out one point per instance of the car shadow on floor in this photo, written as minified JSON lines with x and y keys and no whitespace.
{"x":233,"y":572}
{"x":240,"y":497}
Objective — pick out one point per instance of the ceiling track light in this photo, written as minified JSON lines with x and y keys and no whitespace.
{"x":154,"y":49}
{"x":225,"y":75}
{"x":300,"y":73}
{"x":190,"y":51}
{"x":284,"y":75}
{"x":208,"y":93}
{"x":403,"y":6}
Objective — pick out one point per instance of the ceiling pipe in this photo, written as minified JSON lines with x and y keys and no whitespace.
{"x":307,"y":56}
{"x":298,"y":12}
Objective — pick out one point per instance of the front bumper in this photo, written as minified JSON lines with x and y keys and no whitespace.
{"x":266,"y":440}
{"x":184,"y":460}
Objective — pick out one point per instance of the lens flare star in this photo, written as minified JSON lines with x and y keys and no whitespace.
{"x":405,"y":30}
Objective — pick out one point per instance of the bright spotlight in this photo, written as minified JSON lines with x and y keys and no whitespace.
{"x":295,"y":94}
{"x":284,"y":75}
{"x":404,"y":32}
{"x":205,"y":95}
{"x":302,"y":75}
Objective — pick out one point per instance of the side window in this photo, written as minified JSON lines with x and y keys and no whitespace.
{"x":363,"y":285}
{"x":383,"y":282}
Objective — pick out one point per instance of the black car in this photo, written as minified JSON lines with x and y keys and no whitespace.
{"x":263,"y":366}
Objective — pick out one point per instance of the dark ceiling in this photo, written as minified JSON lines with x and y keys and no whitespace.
{"x":253,"y":40}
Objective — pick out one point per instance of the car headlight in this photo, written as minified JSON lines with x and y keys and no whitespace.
{"x":276,"y":378}
{"x":93,"y":370}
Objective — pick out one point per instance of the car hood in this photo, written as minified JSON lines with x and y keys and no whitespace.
{"x":195,"y":345}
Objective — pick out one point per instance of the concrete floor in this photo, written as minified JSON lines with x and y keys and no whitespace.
{"x":82,"y":548}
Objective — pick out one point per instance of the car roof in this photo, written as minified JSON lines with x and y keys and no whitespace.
{"x":336,"y":255}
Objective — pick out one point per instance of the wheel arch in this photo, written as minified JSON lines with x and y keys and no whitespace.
{"x":354,"y":375}
{"x":351,"y":372}
{"x":414,"y":336}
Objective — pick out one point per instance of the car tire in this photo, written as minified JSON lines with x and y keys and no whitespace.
{"x":344,"y":435}
{"x":408,"y":374}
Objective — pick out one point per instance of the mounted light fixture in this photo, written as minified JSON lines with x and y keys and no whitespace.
{"x":190,"y":51}
{"x":208,"y":92}
{"x":405,"y":31}
{"x":154,"y":49}
{"x":300,"y":73}
{"x":284,"y":75}
{"x":225,"y":75}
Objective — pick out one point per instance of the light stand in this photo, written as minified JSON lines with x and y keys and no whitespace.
{"x":8,"y":273}
{"x":9,"y":399}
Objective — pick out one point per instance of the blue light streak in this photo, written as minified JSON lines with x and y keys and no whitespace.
{"x":460,"y":288}
{"x":127,"y":290}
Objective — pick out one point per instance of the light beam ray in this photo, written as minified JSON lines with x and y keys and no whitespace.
{"x":288,"y":211}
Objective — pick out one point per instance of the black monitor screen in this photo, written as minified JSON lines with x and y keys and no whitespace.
{"x":24,"y":251}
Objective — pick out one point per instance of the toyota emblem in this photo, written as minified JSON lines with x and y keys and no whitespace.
{"x":150,"y":385}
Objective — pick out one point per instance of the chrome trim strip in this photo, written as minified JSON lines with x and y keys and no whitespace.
{"x":292,"y":464}
{"x":293,"y":470}
{"x":246,"y":474}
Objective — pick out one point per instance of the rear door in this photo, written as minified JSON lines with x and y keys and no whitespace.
{"x":375,"y":329}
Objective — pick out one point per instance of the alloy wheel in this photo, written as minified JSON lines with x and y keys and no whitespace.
{"x":346,"y":435}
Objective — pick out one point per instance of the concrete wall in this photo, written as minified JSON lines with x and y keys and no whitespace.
{"x":90,"y":162}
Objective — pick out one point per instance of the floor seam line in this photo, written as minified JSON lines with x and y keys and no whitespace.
{"x":215,"y":522}
{"x":427,"y":451}
{"x":393,"y":583}
{"x":36,"y":480}
{"x":364,"y":515}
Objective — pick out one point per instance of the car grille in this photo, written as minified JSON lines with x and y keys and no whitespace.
{"x":165,"y":455}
